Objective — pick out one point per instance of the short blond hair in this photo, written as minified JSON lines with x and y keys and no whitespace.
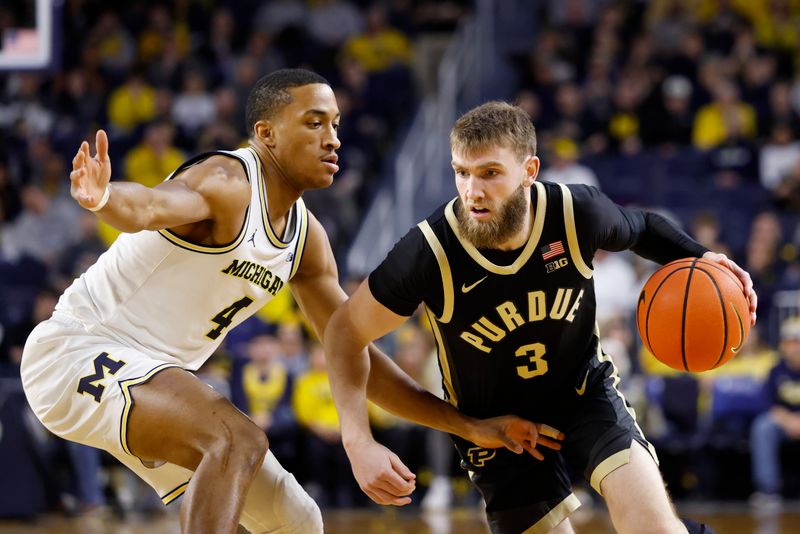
{"x":494,"y":124}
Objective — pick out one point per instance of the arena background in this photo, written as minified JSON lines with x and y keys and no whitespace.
{"x":690,"y":108}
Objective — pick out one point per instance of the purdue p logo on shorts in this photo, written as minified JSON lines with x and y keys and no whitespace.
{"x":478,"y":456}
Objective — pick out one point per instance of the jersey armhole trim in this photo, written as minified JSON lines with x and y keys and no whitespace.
{"x":572,"y":233}
{"x":178,"y":241}
{"x":302,"y":236}
{"x":444,"y":270}
{"x":444,"y":362}
{"x":262,"y":193}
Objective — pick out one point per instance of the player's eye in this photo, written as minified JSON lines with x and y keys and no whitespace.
{"x":315,"y":124}
{"x":491,"y":172}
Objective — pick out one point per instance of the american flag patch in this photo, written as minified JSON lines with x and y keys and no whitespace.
{"x":553,"y":249}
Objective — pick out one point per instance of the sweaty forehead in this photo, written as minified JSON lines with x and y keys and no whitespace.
{"x":312,"y":98}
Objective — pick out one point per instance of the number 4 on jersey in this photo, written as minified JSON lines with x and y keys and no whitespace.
{"x":225,"y":317}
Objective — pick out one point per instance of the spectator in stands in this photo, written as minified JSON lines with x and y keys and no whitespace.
{"x":293,"y":354}
{"x":564,"y":167}
{"x":715,"y":121}
{"x":781,"y":421}
{"x":131,"y":104}
{"x":379,"y":47}
{"x":155,"y":158}
{"x":268,"y":387}
{"x":778,"y":156}
{"x":670,"y":123}
{"x":332,"y":22}
{"x":194,"y":107}
{"x":46,"y":226}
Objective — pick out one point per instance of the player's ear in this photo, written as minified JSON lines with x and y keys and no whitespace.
{"x":531,"y":165}
{"x":264,"y":131}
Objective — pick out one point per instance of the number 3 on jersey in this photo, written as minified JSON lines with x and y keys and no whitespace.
{"x":535,"y":353}
{"x":225,"y":317}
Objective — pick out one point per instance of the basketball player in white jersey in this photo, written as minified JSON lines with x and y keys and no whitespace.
{"x":201,"y":252}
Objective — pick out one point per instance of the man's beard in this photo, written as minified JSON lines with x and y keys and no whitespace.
{"x":504,"y":223}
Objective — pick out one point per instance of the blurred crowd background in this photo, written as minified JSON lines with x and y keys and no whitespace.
{"x":688,"y":107}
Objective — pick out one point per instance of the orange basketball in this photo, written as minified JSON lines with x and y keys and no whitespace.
{"x":693,"y":315}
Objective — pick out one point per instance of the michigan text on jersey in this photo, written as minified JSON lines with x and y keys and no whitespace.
{"x":256,"y":273}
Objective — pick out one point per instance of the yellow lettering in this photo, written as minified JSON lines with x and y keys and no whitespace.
{"x":487,"y":328}
{"x":536,"y":306}
{"x":475,"y":341}
{"x":508,"y":313}
{"x":560,"y":305}
{"x":574,"y":309}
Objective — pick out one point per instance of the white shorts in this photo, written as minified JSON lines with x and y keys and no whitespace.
{"x":79,"y":384}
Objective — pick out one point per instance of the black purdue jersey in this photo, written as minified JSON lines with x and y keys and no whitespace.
{"x":515,"y":330}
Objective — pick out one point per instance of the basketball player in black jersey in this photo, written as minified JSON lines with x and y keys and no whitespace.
{"x":505,"y":273}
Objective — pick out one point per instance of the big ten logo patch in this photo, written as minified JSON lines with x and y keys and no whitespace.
{"x":478,"y":456}
{"x":553,"y":265}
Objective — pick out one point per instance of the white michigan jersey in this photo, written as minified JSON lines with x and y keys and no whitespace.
{"x":164,"y":296}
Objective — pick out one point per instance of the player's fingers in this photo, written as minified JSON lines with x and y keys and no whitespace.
{"x":400,"y":468}
{"x":549,"y":443}
{"x":382,"y":497}
{"x":391,"y":481}
{"x":101,"y":141}
{"x":85,"y":149}
{"x":550,"y":432}
{"x":533,"y":452}
{"x":396,"y":487}
{"x":511,"y":444}
{"x":77,"y":161}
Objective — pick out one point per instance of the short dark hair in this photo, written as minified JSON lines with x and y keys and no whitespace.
{"x":271,"y":93}
{"x":494,"y":123}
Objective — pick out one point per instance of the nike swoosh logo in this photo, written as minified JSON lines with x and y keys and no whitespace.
{"x":581,"y":390}
{"x":738,"y":347}
{"x":466,"y":289}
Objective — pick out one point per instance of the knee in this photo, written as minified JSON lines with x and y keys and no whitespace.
{"x":238,"y":443}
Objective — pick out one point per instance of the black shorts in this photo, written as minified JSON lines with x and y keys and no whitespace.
{"x":524,"y":494}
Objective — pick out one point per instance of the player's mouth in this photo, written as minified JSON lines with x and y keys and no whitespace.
{"x":479,"y":213}
{"x":330,"y":161}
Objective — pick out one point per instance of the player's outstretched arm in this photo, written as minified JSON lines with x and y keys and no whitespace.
{"x":209,"y":190}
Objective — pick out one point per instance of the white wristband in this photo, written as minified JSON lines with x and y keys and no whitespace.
{"x":103,"y":201}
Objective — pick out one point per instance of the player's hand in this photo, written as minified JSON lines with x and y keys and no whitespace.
{"x":742,"y":275}
{"x":90,"y":175}
{"x":515,"y":434}
{"x":381,"y":474}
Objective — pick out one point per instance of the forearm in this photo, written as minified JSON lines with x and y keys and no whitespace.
{"x":662,"y":241}
{"x":128,"y":206}
{"x":393,"y":390}
{"x":348,"y":370}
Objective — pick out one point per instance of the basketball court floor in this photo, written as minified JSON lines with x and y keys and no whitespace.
{"x":724,"y":518}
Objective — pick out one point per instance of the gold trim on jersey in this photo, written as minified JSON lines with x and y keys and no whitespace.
{"x":175,"y":493}
{"x":604,"y":468}
{"x":444,"y":270}
{"x":443,"y":361}
{"x":555,"y":516}
{"x":572,"y":233}
{"x":302,"y":236}
{"x":262,"y":193}
{"x":125,"y":386}
{"x":601,"y":357}
{"x":533,"y":240}
{"x":177,"y":240}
